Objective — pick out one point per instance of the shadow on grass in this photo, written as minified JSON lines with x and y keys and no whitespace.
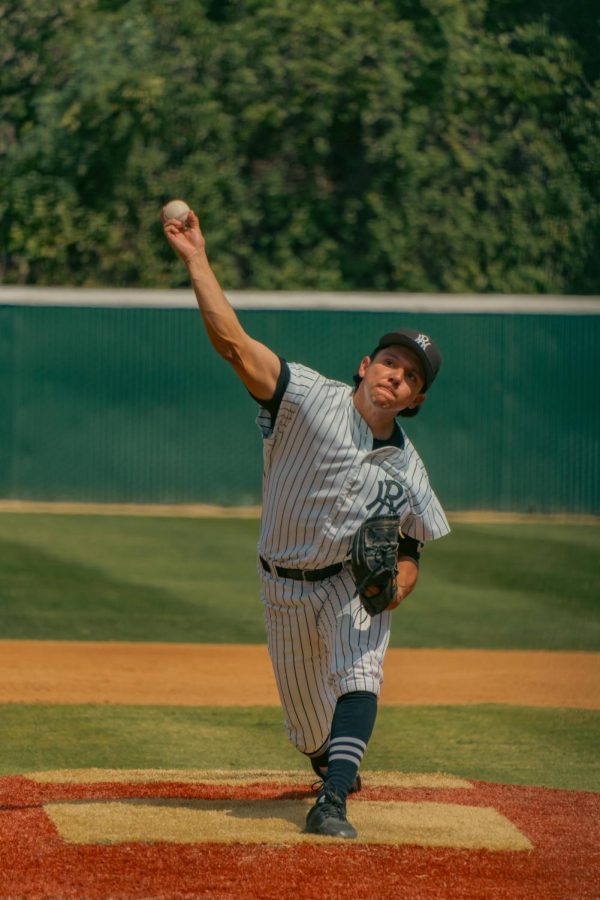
{"x":48,"y":598}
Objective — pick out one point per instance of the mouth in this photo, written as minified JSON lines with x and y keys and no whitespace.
{"x":386,"y":390}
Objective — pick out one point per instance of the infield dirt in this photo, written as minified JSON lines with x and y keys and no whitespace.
{"x":240,"y":675}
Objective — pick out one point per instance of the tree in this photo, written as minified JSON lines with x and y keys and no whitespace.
{"x":379,"y":144}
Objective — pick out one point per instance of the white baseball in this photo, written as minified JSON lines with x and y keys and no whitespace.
{"x":176,"y":209}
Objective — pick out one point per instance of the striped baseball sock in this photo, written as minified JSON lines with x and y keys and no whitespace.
{"x":352,"y":726}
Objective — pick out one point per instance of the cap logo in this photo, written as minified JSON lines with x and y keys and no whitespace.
{"x":423,"y":341}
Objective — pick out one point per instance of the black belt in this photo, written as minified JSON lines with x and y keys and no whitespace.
{"x":303,"y":574}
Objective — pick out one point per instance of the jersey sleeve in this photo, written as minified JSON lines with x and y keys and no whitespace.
{"x":428,"y":524}
{"x":293,"y":386}
{"x":426,"y":520}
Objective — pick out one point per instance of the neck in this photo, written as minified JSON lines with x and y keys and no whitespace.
{"x":382,"y":431}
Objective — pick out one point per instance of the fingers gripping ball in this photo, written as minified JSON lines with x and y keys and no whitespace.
{"x":176,"y":209}
{"x":374,"y":562}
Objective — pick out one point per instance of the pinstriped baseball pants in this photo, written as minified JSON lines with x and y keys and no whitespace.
{"x":322,"y":645}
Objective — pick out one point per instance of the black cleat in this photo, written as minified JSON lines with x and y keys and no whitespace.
{"x":328,"y":817}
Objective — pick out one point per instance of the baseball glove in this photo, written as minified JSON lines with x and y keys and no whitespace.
{"x":374,"y":562}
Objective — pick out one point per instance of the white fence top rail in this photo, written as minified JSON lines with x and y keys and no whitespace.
{"x":530,"y":304}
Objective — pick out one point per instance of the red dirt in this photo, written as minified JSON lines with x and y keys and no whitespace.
{"x":563,"y":827}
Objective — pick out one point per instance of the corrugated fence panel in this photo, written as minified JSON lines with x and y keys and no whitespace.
{"x":132,"y":404}
{"x":125,"y":405}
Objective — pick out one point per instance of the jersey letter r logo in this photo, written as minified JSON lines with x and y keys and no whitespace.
{"x":388,"y":493}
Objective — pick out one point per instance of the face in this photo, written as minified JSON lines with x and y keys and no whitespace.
{"x":393,"y":380}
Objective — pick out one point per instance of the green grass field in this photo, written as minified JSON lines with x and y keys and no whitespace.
{"x":526,"y":586}
{"x":513,"y":745}
{"x":521,"y":586}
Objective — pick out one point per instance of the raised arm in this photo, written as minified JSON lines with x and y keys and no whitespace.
{"x":256,"y":365}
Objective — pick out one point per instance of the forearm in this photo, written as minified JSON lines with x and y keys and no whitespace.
{"x":220,"y":320}
{"x":406,"y":580}
{"x":257,"y":365}
{"x":408,"y":574}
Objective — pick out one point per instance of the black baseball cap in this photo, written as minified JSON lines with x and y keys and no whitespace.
{"x":421,"y":344}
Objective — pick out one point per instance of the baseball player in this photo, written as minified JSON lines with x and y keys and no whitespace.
{"x":334,"y":457}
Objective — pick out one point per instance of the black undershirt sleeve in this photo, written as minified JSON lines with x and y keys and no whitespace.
{"x":274,"y":403}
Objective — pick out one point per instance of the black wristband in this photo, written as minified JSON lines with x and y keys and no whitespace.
{"x":408,"y":546}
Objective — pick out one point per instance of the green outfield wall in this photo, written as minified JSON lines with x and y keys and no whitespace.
{"x":118,"y":397}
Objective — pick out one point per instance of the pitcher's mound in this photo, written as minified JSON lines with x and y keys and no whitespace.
{"x":271,"y":819}
{"x":194,"y":833}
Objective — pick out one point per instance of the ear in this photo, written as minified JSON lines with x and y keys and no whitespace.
{"x":419,"y":399}
{"x":364,"y":365}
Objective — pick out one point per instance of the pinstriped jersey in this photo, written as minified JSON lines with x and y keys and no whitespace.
{"x":322,"y":478}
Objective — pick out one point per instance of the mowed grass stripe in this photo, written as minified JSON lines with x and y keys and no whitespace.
{"x":517,"y":585}
{"x":512,"y":745}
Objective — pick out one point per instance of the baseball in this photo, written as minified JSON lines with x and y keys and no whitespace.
{"x":176,"y":209}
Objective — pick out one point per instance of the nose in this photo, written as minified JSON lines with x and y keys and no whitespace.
{"x":398,"y":375}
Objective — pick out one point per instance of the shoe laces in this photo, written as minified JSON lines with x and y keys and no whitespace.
{"x":332,"y":804}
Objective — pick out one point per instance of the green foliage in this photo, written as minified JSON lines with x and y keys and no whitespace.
{"x":404,"y":145}
{"x":127,"y":578}
{"x":515,"y":745}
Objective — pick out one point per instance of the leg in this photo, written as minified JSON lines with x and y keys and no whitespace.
{"x":351,"y":730}
{"x":356,"y":642}
{"x":320,"y":760}
{"x":320,"y":764}
{"x":357,"y":646}
{"x":299,"y":663}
